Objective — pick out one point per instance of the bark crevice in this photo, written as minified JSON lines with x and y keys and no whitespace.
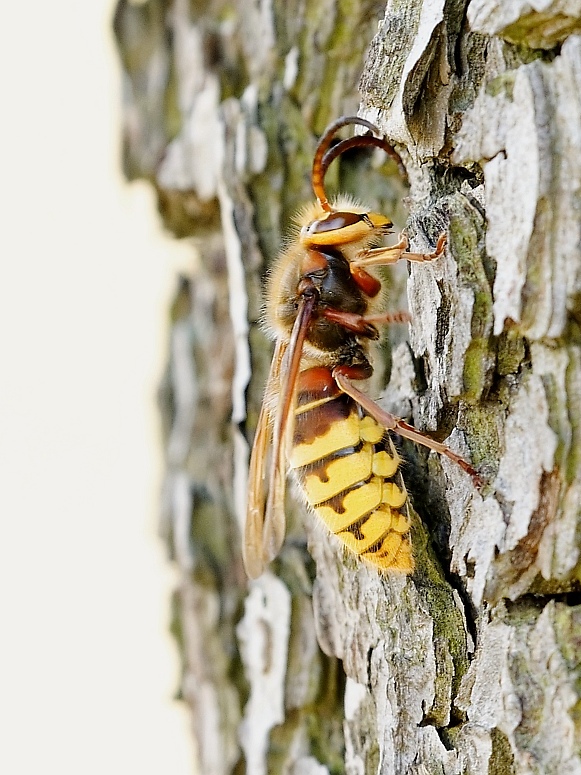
{"x":471,"y":665}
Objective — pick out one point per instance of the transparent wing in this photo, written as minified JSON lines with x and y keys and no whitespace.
{"x":260,"y":462}
{"x":265,"y":519}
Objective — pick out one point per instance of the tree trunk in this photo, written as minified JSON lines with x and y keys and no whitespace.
{"x":472,"y":664}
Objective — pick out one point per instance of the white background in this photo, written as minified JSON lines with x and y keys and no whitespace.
{"x":87,"y":669}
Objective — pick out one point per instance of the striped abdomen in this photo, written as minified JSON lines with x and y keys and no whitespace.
{"x":347,"y":467}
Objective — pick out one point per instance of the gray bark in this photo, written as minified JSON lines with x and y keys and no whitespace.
{"x":471,"y":665}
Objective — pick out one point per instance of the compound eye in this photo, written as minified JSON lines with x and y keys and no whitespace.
{"x":342,"y":228}
{"x":336,"y":221}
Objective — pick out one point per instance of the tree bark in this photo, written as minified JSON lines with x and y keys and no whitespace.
{"x":472,"y":664}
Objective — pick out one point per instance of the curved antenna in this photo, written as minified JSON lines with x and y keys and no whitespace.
{"x":319,"y":168}
{"x":359,"y":142}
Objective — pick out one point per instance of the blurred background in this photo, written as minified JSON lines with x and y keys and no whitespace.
{"x":87,"y":668}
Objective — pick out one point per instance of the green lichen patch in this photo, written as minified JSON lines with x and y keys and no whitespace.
{"x":477,"y":367}
{"x":542,"y":30}
{"x":501,"y":760}
{"x":483,"y":425}
{"x":510,"y":351}
{"x":449,"y":627}
{"x":502,"y":85}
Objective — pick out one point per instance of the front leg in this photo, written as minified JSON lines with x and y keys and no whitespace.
{"x":385,"y":256}
{"x":364,"y":325}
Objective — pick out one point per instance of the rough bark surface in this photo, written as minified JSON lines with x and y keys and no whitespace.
{"x":472,"y":665}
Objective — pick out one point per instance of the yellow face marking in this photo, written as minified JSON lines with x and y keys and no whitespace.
{"x":341,"y":474}
{"x":384,"y":464}
{"x":356,"y":503}
{"x":341,"y":434}
{"x":370,"y":430}
{"x":393,"y":495}
{"x":379,"y":221}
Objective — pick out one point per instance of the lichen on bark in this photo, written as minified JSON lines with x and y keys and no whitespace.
{"x":470,"y":665}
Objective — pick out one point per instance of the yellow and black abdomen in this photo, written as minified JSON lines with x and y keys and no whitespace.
{"x":347,"y":467}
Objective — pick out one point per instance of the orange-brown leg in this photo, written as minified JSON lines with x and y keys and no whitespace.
{"x":390,"y":255}
{"x":387,"y":318}
{"x":389,"y":421}
{"x":364,"y":325}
